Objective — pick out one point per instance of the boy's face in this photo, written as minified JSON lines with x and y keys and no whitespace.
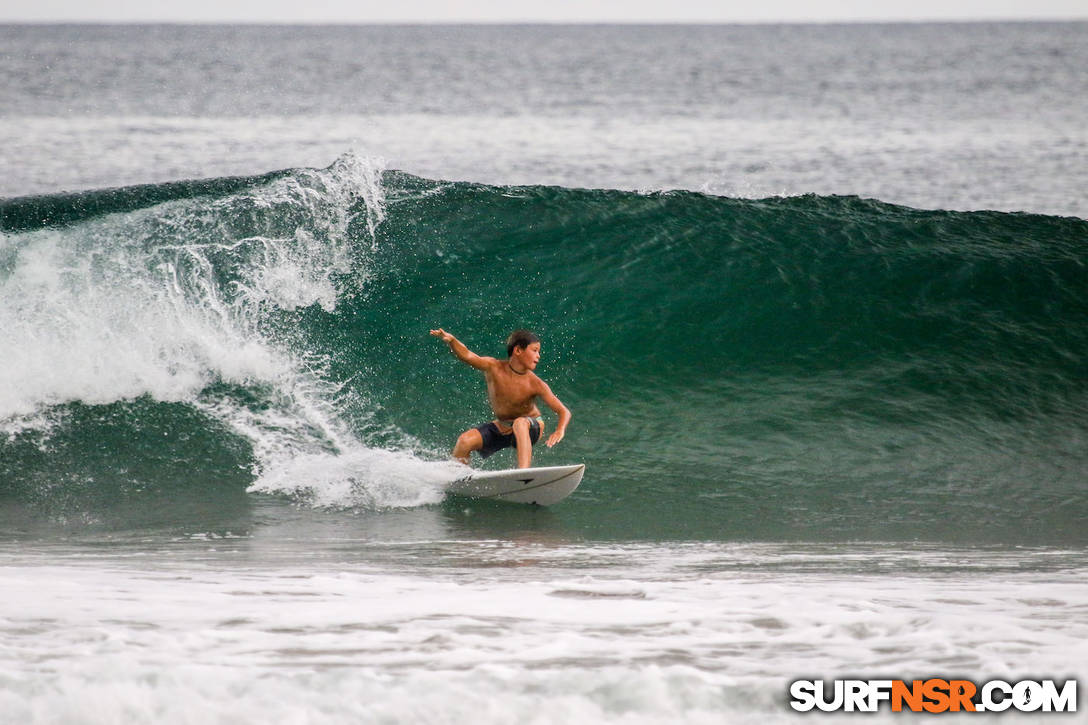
{"x":528,"y":356}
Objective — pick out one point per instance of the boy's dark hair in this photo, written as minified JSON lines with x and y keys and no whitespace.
{"x":519,"y":338}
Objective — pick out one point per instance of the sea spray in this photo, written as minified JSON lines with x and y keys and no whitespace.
{"x":191,"y":301}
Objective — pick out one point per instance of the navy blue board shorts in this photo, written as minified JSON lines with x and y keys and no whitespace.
{"x":495,"y":440}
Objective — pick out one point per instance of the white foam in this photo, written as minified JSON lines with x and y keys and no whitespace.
{"x":460,"y":631}
{"x":167,"y":301}
{"x":359,"y":477}
{"x":133,"y":304}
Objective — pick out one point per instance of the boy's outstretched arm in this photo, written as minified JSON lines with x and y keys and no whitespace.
{"x":561,"y":410}
{"x":463,"y":353}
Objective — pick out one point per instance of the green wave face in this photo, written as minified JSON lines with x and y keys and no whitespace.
{"x":818,"y":367}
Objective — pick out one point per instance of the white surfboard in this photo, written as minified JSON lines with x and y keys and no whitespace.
{"x":542,"y":486}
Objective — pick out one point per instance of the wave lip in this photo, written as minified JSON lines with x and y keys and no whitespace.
{"x":26,"y":213}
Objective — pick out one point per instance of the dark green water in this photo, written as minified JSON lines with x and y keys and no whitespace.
{"x":805,"y":367}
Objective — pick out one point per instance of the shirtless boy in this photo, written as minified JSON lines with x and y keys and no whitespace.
{"x":512,"y":389}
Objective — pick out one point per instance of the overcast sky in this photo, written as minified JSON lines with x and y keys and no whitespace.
{"x":384,"y":11}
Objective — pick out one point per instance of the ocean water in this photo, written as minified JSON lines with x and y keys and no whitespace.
{"x":816,"y":296}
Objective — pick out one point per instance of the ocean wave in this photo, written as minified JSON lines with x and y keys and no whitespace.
{"x":800,"y":364}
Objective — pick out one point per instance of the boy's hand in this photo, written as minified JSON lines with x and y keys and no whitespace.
{"x":440,"y":333}
{"x":554,"y":438}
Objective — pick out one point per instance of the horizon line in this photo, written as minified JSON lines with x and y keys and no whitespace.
{"x":481,"y":22}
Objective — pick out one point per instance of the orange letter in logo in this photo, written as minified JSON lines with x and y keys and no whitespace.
{"x":937,"y":692}
{"x":961,"y":693}
{"x":911,"y":695}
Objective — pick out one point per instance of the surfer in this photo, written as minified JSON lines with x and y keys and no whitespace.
{"x":512,"y":389}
